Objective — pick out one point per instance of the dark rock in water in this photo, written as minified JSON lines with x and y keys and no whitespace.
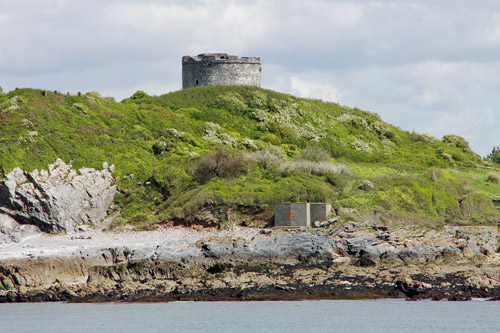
{"x":56,"y":200}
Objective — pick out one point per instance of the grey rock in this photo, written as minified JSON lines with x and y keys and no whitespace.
{"x":222,"y":249}
{"x":370,"y":252}
{"x":21,"y":232}
{"x":358,"y":244}
{"x":81,"y":237}
{"x":472,"y":246}
{"x":418,"y":253}
{"x":328,"y":223}
{"x":291,"y":245}
{"x":55,"y":200}
{"x":82,"y":228}
{"x":449,"y":252}
{"x":384,"y":236}
{"x":389,"y":254}
{"x":5,"y":238}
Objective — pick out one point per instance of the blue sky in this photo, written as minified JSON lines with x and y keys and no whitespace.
{"x":432,"y":66}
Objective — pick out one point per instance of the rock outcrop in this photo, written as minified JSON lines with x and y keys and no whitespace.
{"x":54,"y":200}
{"x":355,"y":260}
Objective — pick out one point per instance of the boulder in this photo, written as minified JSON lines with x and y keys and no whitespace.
{"x":55,"y":200}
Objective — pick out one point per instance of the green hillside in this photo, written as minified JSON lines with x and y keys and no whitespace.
{"x":225,"y":155}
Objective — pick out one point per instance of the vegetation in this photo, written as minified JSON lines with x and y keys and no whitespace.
{"x":222,"y":154}
{"x":494,"y":156}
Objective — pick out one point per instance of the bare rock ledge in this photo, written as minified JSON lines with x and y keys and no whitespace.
{"x":55,"y":200}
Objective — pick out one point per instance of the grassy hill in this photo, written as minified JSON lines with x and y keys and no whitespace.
{"x":224,"y":155}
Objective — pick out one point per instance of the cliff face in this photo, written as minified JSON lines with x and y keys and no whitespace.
{"x":177,"y":264}
{"x":55,"y":200}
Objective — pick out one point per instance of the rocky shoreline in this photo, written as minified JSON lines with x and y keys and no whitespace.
{"x":352,"y":261}
{"x":255,"y":280}
{"x":52,"y":248}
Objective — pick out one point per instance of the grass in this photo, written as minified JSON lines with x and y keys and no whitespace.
{"x":277,"y":147}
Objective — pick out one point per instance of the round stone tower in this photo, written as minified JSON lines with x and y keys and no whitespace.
{"x":211,"y":69}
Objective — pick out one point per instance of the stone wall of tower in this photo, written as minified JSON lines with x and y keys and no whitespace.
{"x":210,"y":69}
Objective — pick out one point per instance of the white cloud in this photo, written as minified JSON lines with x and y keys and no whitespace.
{"x":434,"y":97}
{"x":309,"y":89}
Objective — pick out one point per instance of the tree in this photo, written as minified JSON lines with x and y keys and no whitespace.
{"x":139,"y":94}
{"x":494,"y":156}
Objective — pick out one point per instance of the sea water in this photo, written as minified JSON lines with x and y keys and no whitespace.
{"x":386,"y":315}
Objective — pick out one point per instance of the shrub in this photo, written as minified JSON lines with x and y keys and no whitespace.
{"x":353,"y":121}
{"x":315,"y":168}
{"x":231,"y":101}
{"x":265,"y":159}
{"x":457,"y":141}
{"x":139,"y":94}
{"x":221,"y":163}
{"x":417,"y":137}
{"x":212,"y":132}
{"x":493,"y":178}
{"x":248,"y":144}
{"x":360,"y":145}
{"x":259,"y":99}
{"x":383,"y":130}
{"x":334,"y":179}
{"x":365,"y":185}
{"x":434,"y":174}
{"x":161,"y":146}
{"x":315,"y":154}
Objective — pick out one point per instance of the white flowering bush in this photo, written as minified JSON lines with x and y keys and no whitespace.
{"x":249,"y":144}
{"x":352,"y":120}
{"x":12,"y":104}
{"x":383,"y":130}
{"x":259,"y":99}
{"x":160,"y":146}
{"x":287,"y":114}
{"x":175,"y":133}
{"x":79,"y":107}
{"x":30,"y":137}
{"x":93,"y":96}
{"x":27,"y":123}
{"x":360,"y":145}
{"x":212,"y":133}
{"x":309,"y":132}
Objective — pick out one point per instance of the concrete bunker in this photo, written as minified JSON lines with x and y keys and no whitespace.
{"x":300,"y":214}
{"x":320,"y":211}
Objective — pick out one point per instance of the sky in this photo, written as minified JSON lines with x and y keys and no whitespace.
{"x":431,"y":66}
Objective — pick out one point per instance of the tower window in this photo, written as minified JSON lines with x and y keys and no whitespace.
{"x":197,"y":82}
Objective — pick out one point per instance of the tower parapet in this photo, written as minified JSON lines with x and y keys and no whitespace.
{"x":211,"y":69}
